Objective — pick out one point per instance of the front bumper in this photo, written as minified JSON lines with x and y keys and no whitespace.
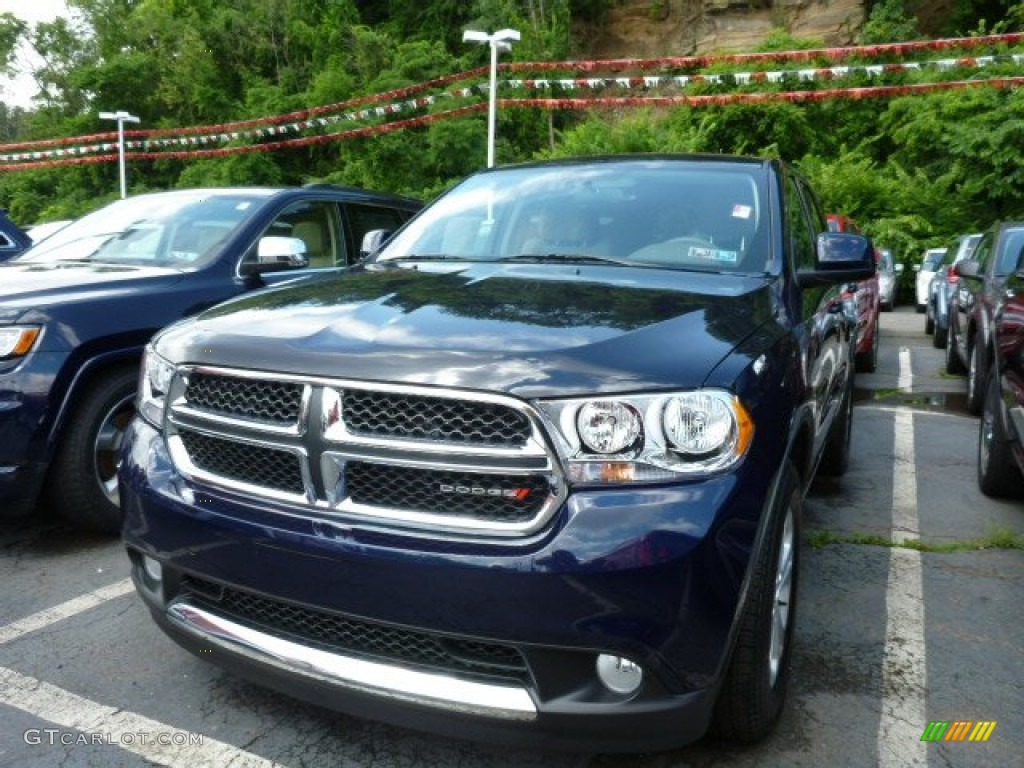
{"x":653,"y":575}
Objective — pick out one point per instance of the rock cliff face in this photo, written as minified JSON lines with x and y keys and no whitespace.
{"x":651,"y":28}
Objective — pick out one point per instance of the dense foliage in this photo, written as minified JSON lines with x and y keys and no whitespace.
{"x":913,"y":170}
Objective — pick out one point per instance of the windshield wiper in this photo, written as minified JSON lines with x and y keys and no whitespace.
{"x":429,"y":257}
{"x":567,"y":258}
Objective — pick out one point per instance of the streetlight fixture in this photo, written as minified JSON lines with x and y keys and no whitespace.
{"x":500,"y":41}
{"x":122,"y":117}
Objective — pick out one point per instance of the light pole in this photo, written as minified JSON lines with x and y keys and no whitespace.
{"x":500,"y":41}
{"x":122,"y":117}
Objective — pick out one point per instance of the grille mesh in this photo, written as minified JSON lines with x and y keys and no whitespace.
{"x":488,"y":498}
{"x":383,"y":414}
{"x":278,"y":402}
{"x":368,"y":638}
{"x":242,"y":462}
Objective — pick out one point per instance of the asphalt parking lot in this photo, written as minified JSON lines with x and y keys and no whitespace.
{"x":909,"y":615}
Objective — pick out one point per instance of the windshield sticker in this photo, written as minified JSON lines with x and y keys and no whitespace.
{"x":713,"y":254}
{"x":741,"y":211}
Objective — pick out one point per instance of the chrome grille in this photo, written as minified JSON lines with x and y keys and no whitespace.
{"x":459,"y":463}
{"x":385,"y":414}
{"x":491,"y":498}
{"x":273,"y":401}
{"x":331,"y":631}
{"x":244,"y":462}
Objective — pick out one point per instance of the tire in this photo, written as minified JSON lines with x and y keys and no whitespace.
{"x":939,"y":339}
{"x":929,"y":320}
{"x":867,"y":362}
{"x":998,"y":473}
{"x":976,"y":377}
{"x":835,"y":459}
{"x":953,"y":364}
{"x":82,"y":484}
{"x":754,"y":689}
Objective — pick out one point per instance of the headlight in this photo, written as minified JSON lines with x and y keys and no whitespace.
{"x":607,"y":426}
{"x":639,"y":438}
{"x":17,"y":340}
{"x":156,"y":376}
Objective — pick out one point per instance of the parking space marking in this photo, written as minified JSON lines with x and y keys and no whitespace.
{"x":904,"y":668}
{"x":150,"y":739}
{"x":906,"y":380}
{"x":48,"y":616}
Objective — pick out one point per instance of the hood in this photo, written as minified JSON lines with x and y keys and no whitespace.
{"x":529,"y":330}
{"x":31,"y":285}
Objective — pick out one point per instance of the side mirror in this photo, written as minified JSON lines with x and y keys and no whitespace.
{"x":842,"y":257}
{"x":274,"y":253}
{"x":916,"y":267}
{"x":899,"y":268}
{"x":373,"y":241}
{"x":966,"y":268}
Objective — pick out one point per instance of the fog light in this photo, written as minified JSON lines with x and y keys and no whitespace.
{"x":153,"y":569}
{"x":619,"y":675}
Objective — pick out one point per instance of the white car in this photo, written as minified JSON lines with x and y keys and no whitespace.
{"x":930,"y":263}
{"x":42,"y":231}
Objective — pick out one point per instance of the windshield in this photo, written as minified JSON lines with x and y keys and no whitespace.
{"x":678,"y":214}
{"x":885,"y":261}
{"x":176,"y":229}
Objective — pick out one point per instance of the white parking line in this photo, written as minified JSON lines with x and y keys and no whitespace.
{"x":65,"y":610}
{"x":99,"y":724}
{"x":904,"y":669}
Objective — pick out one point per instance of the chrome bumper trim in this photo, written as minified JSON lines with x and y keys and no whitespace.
{"x":430,"y":689}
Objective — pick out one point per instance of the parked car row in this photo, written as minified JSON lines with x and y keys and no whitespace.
{"x":978,"y":311}
{"x":863,"y":300}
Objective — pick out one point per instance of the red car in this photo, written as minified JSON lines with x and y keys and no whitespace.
{"x":864,"y":299}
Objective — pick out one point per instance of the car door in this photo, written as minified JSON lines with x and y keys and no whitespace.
{"x":967,"y":291}
{"x":318,"y":224}
{"x":1003,"y":262}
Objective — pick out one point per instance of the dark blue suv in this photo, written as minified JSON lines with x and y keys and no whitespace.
{"x":534,"y":472}
{"x":77,"y":310}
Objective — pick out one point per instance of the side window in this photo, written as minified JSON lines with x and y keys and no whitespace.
{"x":983,"y":253}
{"x":315,"y":223}
{"x":5,"y":241}
{"x":366,"y":218}
{"x":1010,"y":257}
{"x":801,"y":236}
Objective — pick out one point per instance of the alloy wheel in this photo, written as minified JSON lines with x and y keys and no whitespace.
{"x":107,"y":446}
{"x":781,"y":602}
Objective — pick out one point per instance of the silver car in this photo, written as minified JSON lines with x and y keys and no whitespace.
{"x":925,"y":272}
{"x":941,"y":287}
{"x":887,"y":272}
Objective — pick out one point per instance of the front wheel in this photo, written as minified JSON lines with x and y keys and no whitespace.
{"x":754,"y":689}
{"x":836,"y":458}
{"x":953,"y":364}
{"x":975,"y":377}
{"x":867,"y":361}
{"x":82,"y":483}
{"x":998,"y":474}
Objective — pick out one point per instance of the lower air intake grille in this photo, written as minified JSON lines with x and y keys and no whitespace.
{"x":367,"y":638}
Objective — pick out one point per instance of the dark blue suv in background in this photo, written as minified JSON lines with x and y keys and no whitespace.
{"x":13,"y":239}
{"x":534,"y":472}
{"x":77,"y":310}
